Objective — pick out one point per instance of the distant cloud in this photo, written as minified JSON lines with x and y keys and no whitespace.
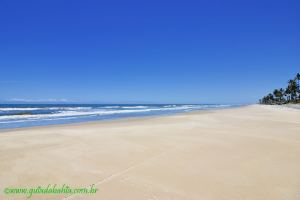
{"x":37,"y":100}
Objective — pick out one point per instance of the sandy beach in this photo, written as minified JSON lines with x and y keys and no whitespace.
{"x":247,"y":153}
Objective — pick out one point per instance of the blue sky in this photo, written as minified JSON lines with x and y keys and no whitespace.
{"x":202,"y":51}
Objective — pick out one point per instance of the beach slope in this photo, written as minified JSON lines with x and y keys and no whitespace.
{"x":246,"y":153}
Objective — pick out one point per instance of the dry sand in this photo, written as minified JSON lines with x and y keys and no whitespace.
{"x":248,"y":153}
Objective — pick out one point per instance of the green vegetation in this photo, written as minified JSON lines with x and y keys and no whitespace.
{"x":282,"y":96}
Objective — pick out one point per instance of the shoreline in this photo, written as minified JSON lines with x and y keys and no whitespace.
{"x":117,"y":119}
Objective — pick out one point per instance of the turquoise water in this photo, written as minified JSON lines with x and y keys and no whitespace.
{"x":27,"y":115}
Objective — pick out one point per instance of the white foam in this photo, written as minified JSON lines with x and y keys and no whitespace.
{"x":169,"y":106}
{"x":84,"y":113}
{"x":12,"y":109}
{"x":135,"y":107}
{"x":43,"y":108}
{"x":73,"y":112}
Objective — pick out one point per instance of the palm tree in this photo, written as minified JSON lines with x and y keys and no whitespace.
{"x":290,"y":95}
{"x":281,"y":90}
{"x":278,"y":94}
{"x":287,"y":93}
{"x":270,"y":98}
{"x":297,"y":78}
{"x":292,"y":85}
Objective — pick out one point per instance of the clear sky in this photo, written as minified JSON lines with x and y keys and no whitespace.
{"x":203,"y":51}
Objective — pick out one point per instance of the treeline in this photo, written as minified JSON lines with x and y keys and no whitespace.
{"x":291,"y":94}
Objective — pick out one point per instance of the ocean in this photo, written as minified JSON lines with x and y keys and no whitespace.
{"x":27,"y":115}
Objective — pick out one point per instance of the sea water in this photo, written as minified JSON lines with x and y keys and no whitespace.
{"x":27,"y":115}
